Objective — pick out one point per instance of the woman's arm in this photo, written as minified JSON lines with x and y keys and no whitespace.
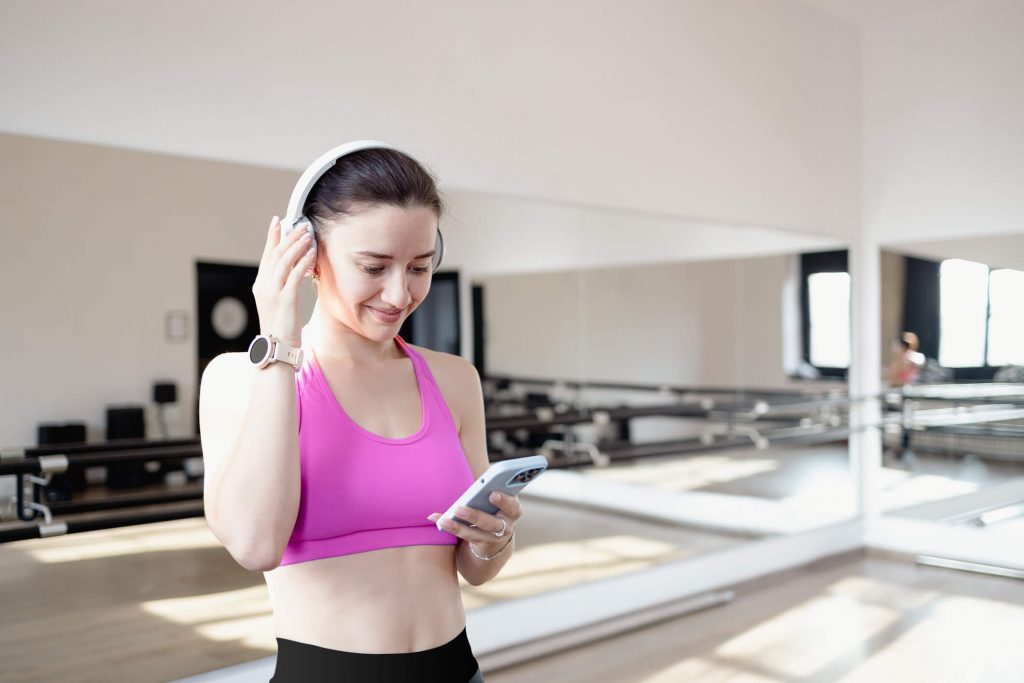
{"x":250,"y":446}
{"x":473,"y":435}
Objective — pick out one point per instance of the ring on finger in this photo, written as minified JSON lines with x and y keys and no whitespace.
{"x":499,"y":534}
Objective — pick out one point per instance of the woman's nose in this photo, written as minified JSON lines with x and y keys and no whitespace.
{"x":396,"y":291}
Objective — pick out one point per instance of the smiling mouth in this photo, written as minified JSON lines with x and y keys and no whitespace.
{"x":381,"y":310}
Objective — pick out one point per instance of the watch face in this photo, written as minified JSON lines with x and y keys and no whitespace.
{"x":259,"y":349}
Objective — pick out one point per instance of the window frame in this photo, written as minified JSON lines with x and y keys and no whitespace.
{"x":811,"y":264}
{"x":927,"y":320}
{"x":988,"y":314}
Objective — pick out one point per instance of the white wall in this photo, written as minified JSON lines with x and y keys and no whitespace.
{"x":944,"y":122}
{"x":500,"y":234}
{"x":732,"y":110}
{"x":996,"y":251}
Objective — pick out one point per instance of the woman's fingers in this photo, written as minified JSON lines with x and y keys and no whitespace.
{"x":295,"y":249}
{"x":276,"y":250}
{"x":508,"y":504}
{"x":484,"y":529}
{"x":304,"y":263}
{"x":286,"y":258}
{"x":272,"y":237}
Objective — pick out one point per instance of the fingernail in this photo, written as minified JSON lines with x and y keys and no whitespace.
{"x":495,"y":497}
{"x":461,"y":511}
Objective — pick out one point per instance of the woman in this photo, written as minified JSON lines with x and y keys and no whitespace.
{"x":362,"y":583}
{"x":907,"y":362}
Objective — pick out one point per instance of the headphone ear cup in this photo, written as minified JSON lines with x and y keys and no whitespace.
{"x":303,"y":223}
{"x":439,"y":250}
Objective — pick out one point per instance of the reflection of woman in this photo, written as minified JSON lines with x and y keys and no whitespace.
{"x":906,"y":364}
{"x":363,"y":585}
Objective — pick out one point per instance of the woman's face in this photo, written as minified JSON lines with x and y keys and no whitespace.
{"x":375,"y":267}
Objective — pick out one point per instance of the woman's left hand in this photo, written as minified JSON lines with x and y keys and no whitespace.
{"x":485,"y":526}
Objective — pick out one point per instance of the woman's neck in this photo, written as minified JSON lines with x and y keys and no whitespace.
{"x":336,"y":342}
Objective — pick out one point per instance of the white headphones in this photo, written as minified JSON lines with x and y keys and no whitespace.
{"x":295,"y":220}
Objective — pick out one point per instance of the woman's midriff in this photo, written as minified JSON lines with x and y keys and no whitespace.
{"x":402,"y":599}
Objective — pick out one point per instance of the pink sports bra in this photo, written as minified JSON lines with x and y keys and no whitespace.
{"x":361,"y":491}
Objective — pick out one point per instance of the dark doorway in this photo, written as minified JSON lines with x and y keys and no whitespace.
{"x":436,"y":323}
{"x":226,"y":315}
{"x":479,"y":329}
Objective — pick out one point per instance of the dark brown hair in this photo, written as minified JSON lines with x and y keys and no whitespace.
{"x":370,"y":177}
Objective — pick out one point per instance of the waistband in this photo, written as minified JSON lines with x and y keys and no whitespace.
{"x":298,"y":661}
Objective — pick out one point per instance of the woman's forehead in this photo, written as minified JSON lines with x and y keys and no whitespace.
{"x":393,"y":231}
{"x":386,"y":218}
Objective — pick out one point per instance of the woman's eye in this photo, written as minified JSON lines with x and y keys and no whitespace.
{"x":377,"y":270}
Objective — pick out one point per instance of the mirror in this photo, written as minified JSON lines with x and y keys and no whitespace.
{"x":673,"y":400}
{"x":954,"y":450}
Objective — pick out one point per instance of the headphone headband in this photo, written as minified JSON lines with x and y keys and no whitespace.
{"x":316,"y":170}
{"x":294,"y":218}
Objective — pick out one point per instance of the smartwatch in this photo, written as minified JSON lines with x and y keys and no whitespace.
{"x":266,"y":349}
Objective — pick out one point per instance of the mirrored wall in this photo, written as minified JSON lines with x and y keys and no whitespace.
{"x":954,"y":448}
{"x":680,"y":407}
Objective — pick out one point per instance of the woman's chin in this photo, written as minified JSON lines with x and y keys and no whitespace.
{"x":378,"y":331}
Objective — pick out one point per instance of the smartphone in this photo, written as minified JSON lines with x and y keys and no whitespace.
{"x":507,"y":476}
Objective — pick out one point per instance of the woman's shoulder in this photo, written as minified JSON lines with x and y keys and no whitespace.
{"x":455,"y":376}
{"x":231,"y":364}
{"x":446,"y":365}
{"x":228,"y":373}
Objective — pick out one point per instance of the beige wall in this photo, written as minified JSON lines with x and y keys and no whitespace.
{"x":892,"y":289}
{"x":717,"y":323}
{"x":101,"y":243}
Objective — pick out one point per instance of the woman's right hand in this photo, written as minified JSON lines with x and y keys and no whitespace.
{"x":276,"y":289}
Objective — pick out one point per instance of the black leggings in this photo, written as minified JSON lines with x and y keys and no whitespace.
{"x":302,"y":662}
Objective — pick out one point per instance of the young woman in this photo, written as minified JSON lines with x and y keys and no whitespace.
{"x":329,"y":476}
{"x":907,"y":362}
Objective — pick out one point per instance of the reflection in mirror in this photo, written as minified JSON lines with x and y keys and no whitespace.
{"x":954,"y":445}
{"x":679,"y":405}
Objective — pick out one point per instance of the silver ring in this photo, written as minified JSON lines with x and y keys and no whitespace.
{"x":501,"y":533}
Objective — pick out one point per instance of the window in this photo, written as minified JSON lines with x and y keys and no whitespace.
{"x":963,"y":300}
{"x":1005,"y":324}
{"x":829,"y":316}
{"x":825,"y":303}
{"x":979,"y":321}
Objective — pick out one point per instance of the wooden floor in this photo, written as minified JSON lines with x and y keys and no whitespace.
{"x":164,"y":601}
{"x":817,"y":477}
{"x":855,"y":619}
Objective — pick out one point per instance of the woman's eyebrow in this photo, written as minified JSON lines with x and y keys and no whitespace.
{"x":373,"y":254}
